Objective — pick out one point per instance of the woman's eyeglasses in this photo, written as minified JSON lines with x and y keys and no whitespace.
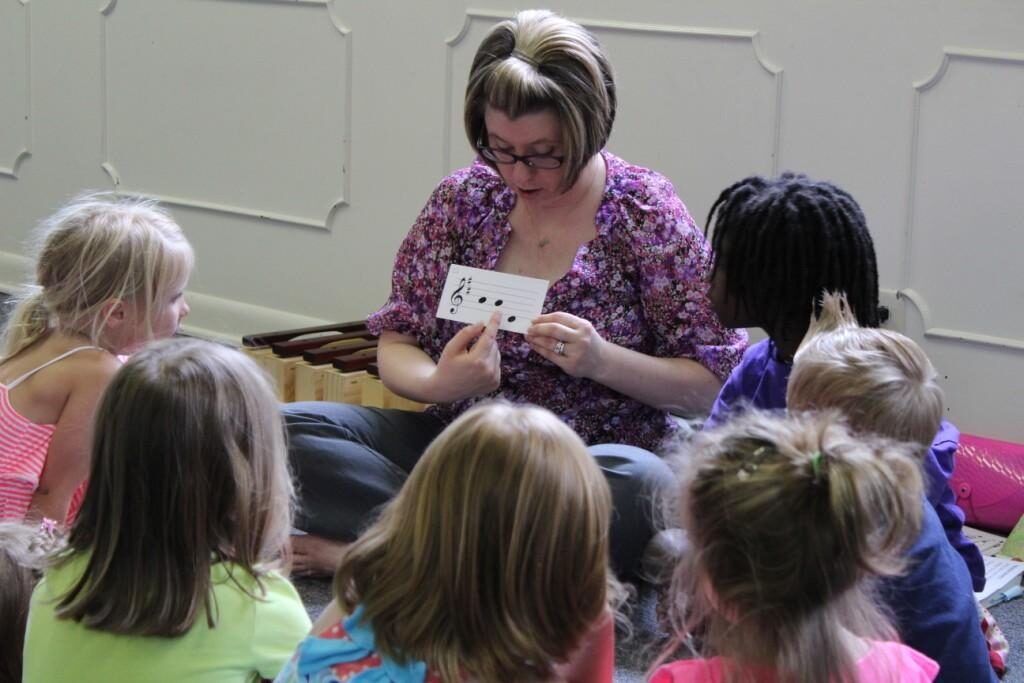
{"x":498,"y":156}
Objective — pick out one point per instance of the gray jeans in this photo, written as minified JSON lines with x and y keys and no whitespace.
{"x":350,"y":460}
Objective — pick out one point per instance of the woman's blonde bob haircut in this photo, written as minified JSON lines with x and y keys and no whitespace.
{"x":786,"y":519}
{"x":189,"y":469}
{"x":98,"y":248}
{"x":492,"y":562}
{"x":540,"y":61}
{"x":879,"y":379}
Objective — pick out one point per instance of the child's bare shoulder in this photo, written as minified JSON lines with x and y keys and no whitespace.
{"x":49,"y":387}
{"x":89,"y":367}
{"x":83,"y":378}
{"x":83,"y":372}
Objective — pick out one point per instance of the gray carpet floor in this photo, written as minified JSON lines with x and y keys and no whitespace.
{"x":635,"y":653}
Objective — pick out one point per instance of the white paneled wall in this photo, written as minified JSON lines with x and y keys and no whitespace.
{"x":295,"y":140}
{"x":179,"y":124}
{"x":15,"y":75}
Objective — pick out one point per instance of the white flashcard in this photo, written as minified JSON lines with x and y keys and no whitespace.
{"x":470,"y":295}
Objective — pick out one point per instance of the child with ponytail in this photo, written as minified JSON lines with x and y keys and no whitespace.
{"x":110,"y":275}
{"x":789,"y":519}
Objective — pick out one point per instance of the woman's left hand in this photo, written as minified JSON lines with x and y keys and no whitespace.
{"x":569,"y":342}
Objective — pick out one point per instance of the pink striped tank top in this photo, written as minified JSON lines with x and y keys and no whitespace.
{"x":23,"y":448}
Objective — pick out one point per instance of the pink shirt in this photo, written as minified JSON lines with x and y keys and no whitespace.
{"x":23,"y":448}
{"x":884,"y":663}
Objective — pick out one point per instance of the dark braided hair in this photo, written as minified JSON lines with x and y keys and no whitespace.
{"x":783,"y":242}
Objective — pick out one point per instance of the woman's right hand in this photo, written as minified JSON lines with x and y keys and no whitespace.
{"x":470,"y":364}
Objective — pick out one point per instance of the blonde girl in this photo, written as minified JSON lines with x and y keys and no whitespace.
{"x":170,"y":568}
{"x":110,"y":274}
{"x":490,"y":566}
{"x":788,"y":519}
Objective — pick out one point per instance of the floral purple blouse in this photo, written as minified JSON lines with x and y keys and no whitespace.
{"x":641,"y":282}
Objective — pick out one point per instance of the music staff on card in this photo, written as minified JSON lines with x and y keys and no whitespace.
{"x":470,"y":295}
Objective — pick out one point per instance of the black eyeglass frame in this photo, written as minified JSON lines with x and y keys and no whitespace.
{"x":499,"y":156}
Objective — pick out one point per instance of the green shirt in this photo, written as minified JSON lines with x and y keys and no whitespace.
{"x":252,"y":638}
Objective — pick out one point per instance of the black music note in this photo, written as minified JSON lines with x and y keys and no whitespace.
{"x":483,"y":300}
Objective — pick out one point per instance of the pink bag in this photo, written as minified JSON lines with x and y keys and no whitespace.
{"x":988,"y":481}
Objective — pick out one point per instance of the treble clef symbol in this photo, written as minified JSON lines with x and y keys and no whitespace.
{"x":456,"y":298}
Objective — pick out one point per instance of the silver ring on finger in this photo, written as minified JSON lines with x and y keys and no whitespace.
{"x":560,"y":347}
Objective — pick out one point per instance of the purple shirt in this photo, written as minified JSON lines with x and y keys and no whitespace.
{"x":641,"y":282}
{"x":759,"y":381}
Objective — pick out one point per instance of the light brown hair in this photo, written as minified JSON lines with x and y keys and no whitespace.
{"x":536,"y":61}
{"x":189,"y":469}
{"x":881,"y":380}
{"x":492,"y":561}
{"x":787,"y":519}
{"x":98,"y":248}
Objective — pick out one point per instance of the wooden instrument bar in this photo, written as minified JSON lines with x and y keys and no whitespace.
{"x":326,"y":363}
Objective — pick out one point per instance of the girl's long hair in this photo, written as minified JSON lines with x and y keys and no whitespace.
{"x":189,"y":469}
{"x":492,"y":561}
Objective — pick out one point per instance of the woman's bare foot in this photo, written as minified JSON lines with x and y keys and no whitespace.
{"x":315,"y":555}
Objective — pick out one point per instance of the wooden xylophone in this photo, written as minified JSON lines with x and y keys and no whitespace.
{"x":328,"y":363}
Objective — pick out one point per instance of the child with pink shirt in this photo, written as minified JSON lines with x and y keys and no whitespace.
{"x":789,"y":519}
{"x":110,"y":275}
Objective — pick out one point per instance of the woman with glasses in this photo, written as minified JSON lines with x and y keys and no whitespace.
{"x":627,"y":335}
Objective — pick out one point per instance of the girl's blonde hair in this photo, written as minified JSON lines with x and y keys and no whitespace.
{"x":539,"y":60}
{"x":189,"y":469}
{"x":98,"y":248}
{"x":881,"y":380}
{"x":492,"y":561}
{"x":787,"y":517}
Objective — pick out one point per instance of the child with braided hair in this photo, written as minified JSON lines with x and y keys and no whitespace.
{"x":789,"y":520}
{"x":779,"y":244}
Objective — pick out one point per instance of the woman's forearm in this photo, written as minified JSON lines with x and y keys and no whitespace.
{"x":405,"y":368}
{"x":470,"y":365}
{"x":678,"y":385}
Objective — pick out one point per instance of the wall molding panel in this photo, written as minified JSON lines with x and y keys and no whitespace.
{"x":23,"y":113}
{"x":924,"y":310}
{"x":939,"y":232}
{"x":212,"y":317}
{"x":225,"y":320}
{"x":340,"y":140}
